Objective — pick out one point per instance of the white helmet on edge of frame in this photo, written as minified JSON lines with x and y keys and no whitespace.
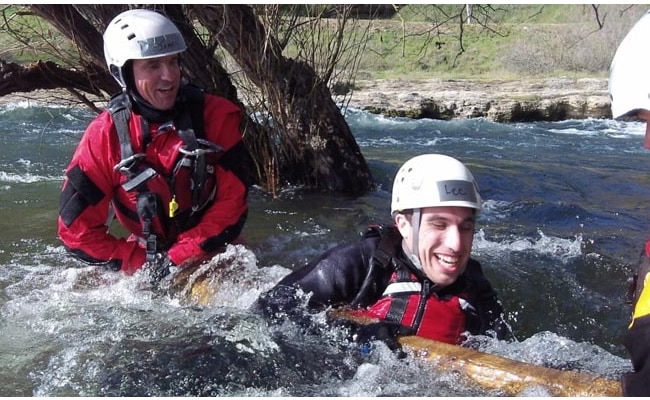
{"x":139,"y":34}
{"x":434,"y":180}
{"x":629,"y":73}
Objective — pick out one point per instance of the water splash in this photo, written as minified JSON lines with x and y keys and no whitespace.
{"x":561,"y":249}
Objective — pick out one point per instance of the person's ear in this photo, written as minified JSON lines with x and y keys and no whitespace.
{"x":403,"y":226}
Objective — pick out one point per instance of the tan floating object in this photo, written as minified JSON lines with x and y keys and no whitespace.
{"x":198,"y":284}
{"x":495,"y":372}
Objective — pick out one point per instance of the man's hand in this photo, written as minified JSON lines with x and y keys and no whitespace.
{"x":385,"y":331}
{"x":159,"y":268}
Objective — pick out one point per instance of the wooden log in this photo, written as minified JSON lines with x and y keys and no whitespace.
{"x":492,"y":372}
{"x":198,"y":284}
{"x":512,"y":377}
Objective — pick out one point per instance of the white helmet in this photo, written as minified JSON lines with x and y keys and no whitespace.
{"x":629,"y":73}
{"x":136,"y":35}
{"x":434,"y":180}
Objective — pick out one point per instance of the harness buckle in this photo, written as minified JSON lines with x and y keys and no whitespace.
{"x":138,"y":179}
{"x":126,"y":164}
{"x":206,"y":147}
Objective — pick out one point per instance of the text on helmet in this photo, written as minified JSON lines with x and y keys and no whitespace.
{"x":156,"y":45}
{"x":455,"y":190}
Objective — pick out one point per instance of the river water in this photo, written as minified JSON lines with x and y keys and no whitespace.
{"x":565,"y":217}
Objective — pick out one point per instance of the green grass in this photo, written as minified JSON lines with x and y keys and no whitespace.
{"x":25,"y":38}
{"x":506,"y":42}
{"x":510,"y":42}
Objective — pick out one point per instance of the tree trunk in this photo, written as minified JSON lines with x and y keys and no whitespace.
{"x":319,"y":149}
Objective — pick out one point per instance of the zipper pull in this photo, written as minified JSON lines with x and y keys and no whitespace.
{"x":173,"y":206}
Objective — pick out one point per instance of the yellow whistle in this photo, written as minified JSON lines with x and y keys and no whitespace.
{"x":173,"y":206}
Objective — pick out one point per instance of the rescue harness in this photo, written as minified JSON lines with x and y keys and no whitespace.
{"x":407,"y":282}
{"x":189,"y":126}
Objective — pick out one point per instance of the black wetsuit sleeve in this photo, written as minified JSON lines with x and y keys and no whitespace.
{"x":336,"y":276}
{"x":489,"y":310}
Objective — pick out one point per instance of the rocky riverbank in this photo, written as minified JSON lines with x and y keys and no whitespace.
{"x":552,"y":99}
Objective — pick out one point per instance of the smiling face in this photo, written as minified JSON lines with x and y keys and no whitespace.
{"x":157,"y":80}
{"x":445,"y":241}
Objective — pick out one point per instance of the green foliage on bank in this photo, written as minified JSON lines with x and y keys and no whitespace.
{"x":502,"y":41}
{"x":432,"y":41}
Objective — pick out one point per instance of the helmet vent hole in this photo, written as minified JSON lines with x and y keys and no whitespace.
{"x":131,"y":36}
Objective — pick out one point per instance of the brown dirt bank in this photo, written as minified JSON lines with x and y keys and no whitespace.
{"x":551,"y":99}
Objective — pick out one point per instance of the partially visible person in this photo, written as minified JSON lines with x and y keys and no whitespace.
{"x":629,"y":89}
{"x":165,"y":159}
{"x":416,"y":276}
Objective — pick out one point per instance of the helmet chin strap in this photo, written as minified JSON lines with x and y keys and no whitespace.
{"x":415,"y":231}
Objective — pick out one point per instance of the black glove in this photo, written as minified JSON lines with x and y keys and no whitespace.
{"x":387,"y":332}
{"x":159,"y":268}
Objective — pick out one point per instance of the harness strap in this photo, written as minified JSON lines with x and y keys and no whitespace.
{"x":119,"y":106}
{"x":424,"y":295}
{"x":400,"y":300}
{"x":404,"y":286}
{"x":189,"y":139}
{"x":120,"y":109}
{"x":193,"y":98}
{"x":190,"y":128}
{"x":146,"y":207}
{"x":197,"y":159}
{"x":384,"y":253}
{"x":147,"y":210}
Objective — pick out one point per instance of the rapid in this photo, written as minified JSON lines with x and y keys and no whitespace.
{"x":565,"y":218}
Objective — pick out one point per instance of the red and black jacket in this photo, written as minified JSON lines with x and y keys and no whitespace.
{"x":375,"y":277}
{"x":93,"y":185}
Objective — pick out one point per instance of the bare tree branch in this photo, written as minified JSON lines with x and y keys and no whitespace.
{"x":600,"y":23}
